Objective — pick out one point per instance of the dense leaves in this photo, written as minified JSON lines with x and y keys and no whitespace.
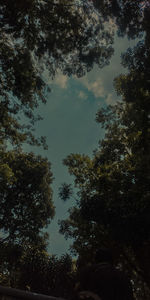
{"x":38,"y":39}
{"x":113,"y":192}
{"x":113,"y":195}
{"x":41,"y":38}
{"x":30,"y":267}
{"x":65,"y":191}
{"x":128,"y":15}
{"x":25,"y":195}
{"x":46,"y":274}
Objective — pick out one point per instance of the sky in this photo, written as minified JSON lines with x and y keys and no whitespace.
{"x":70,"y":127}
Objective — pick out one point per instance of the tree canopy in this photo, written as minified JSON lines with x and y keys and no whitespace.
{"x":25,"y":195}
{"x":26,"y":210}
{"x":41,"y":38}
{"x":112,"y":207}
{"x":38,"y":39}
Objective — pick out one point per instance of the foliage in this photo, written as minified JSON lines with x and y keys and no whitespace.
{"x":127,"y":15}
{"x":41,"y":38}
{"x":47,"y":274}
{"x":26,"y":210}
{"x":35,"y":270}
{"x":38,"y":39}
{"x":113,"y":195}
{"x":113,"y":207}
{"x":25,"y":195}
{"x":65,"y":191}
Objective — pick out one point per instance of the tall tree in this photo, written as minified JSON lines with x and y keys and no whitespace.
{"x":113,"y":187}
{"x":26,"y":209}
{"x":113,"y":194}
{"x":25,"y":196}
{"x":47,"y":274}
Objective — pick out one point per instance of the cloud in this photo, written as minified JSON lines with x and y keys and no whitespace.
{"x":100,"y":81}
{"x":96,"y":87}
{"x":82,"y":95}
{"x":99,"y":88}
{"x":61,"y":81}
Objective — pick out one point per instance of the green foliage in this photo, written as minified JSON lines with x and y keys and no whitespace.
{"x":39,"y":36}
{"x":26,"y":210}
{"x":127,"y":15}
{"x":26,"y":196}
{"x":112,"y":207}
{"x":30,"y":267}
{"x":38,"y":39}
{"x":47,"y":274}
{"x":113,"y":194}
{"x":65,"y":191}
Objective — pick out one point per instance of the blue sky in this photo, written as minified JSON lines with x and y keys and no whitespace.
{"x":69,"y":126}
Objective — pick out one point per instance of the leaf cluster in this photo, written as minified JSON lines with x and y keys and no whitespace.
{"x":26,"y":195}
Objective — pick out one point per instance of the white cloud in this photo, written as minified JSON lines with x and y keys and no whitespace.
{"x":82,"y":95}
{"x":61,"y":81}
{"x":96,"y":87}
{"x":100,"y":87}
{"x":100,"y":81}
